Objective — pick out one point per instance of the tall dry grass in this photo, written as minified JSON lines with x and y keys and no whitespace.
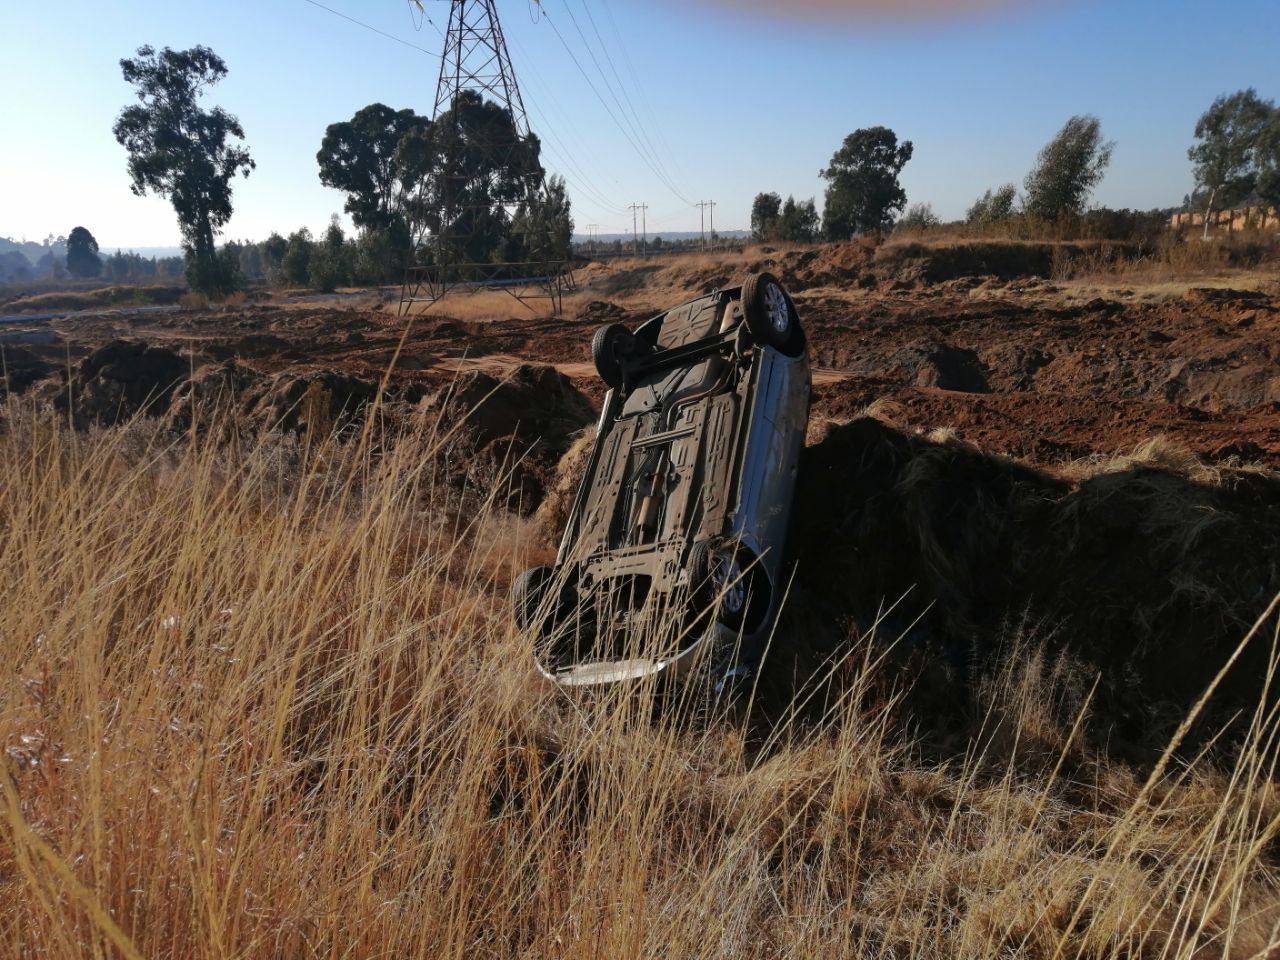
{"x":264,"y":700}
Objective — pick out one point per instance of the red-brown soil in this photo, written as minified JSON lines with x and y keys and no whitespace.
{"x":1038,"y":379}
{"x":1137,"y":557}
{"x":1015,"y":368}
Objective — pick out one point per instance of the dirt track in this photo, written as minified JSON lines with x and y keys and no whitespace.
{"x":1018,"y":366}
{"x":1155,"y":561}
{"x":1017,"y":369}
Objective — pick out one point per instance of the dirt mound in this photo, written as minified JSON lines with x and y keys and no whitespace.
{"x":553,"y":512}
{"x":20,"y":368}
{"x":1013,"y":366}
{"x":123,"y":378}
{"x":946,"y":367}
{"x":1147,"y":573}
{"x":316,"y":401}
{"x":213,"y":390}
{"x":915,"y":262}
{"x":516,"y":426}
{"x":838,"y":264}
{"x":1219,"y":295}
{"x":534,"y":403}
{"x":115,"y":296}
{"x":602,"y":311}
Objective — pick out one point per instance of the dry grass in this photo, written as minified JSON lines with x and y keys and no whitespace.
{"x":1086,"y":268}
{"x":639,"y":285}
{"x":112,"y":296}
{"x":1221,"y":261}
{"x":484,"y":306}
{"x":263,"y":702}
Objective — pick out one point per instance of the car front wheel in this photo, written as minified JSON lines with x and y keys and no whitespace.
{"x":609,"y":346}
{"x":767,"y":309}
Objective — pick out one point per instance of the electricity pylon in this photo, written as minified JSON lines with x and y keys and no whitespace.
{"x":475,"y":67}
{"x":476,"y":58}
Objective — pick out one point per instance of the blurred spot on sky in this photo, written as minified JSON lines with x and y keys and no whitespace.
{"x":878,"y":11}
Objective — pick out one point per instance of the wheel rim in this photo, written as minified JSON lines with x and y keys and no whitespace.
{"x":775,"y":303}
{"x":730,"y":584}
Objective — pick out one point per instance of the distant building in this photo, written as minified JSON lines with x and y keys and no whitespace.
{"x":1230,"y":221}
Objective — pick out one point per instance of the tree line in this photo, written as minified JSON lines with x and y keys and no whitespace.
{"x":469,"y":187}
{"x":466,"y":187}
{"x":1235,"y":158}
{"x":77,"y":255}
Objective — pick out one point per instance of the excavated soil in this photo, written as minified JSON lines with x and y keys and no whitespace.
{"x":1036,"y":378}
{"x":1013,"y":367}
{"x":993,"y":486}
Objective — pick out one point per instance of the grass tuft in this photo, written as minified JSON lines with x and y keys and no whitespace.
{"x":263,"y":699}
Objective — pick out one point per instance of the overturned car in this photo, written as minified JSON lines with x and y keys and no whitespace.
{"x":673,"y":553}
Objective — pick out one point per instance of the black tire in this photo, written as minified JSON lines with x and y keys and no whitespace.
{"x":610,"y":344}
{"x":527,"y":593}
{"x":767,"y":310}
{"x":710,"y":593}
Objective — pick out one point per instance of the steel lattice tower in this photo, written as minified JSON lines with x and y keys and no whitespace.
{"x":475,"y":61}
{"x":476,"y":58}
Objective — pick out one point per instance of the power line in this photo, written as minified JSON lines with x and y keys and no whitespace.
{"x":417,"y":27}
{"x":584,"y":184}
{"x":639,"y":87}
{"x":604,"y":48}
{"x":609,"y":110}
{"x":361,"y":23}
{"x":567,"y":154}
{"x":636,"y":128}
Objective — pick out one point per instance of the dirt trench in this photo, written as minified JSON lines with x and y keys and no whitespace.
{"x":997,"y":491}
{"x":1149,"y":570}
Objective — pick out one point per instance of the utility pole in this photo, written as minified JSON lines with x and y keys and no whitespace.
{"x":592,"y":229}
{"x":712,"y":205}
{"x":702,"y":218}
{"x":642,"y":207}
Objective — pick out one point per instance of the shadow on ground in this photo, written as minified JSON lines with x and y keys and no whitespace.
{"x":1146,"y":573}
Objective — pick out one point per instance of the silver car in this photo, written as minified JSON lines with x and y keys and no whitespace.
{"x":674,"y":548}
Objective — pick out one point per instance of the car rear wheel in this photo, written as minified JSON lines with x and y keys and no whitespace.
{"x":609,"y":346}
{"x":527,"y":593}
{"x":767,"y":310}
{"x":722,"y":585}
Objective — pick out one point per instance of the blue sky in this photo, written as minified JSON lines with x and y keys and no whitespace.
{"x":736,"y":100}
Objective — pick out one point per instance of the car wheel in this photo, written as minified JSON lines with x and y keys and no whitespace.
{"x":767,"y":310}
{"x":721,"y":586}
{"x":610,"y":344}
{"x":527,"y":593}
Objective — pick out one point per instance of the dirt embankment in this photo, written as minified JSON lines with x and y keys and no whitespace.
{"x":508,"y":429}
{"x":1151,"y":568}
{"x":1047,"y":381}
{"x":1018,"y":510}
